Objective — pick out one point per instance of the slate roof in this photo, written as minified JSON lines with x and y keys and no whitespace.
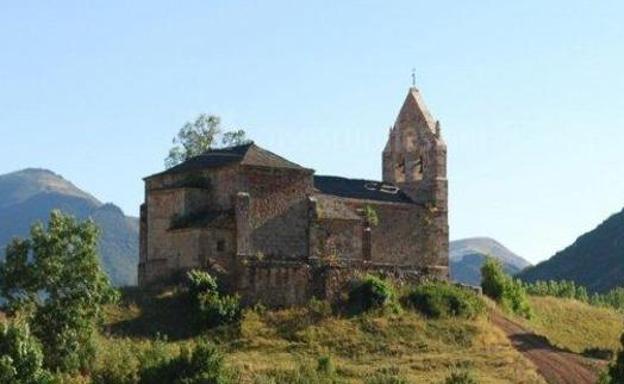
{"x":247,"y":154}
{"x":360,"y":189}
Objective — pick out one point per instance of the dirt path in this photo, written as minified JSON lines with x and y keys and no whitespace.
{"x":555,"y":365}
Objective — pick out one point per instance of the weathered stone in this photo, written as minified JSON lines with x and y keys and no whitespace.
{"x":277,"y":234}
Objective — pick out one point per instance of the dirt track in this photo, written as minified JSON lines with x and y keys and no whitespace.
{"x":555,"y":365}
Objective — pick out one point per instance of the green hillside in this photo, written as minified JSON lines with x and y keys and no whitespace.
{"x":595,"y":260}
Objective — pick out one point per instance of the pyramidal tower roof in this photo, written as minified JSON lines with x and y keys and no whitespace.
{"x":414,"y":109}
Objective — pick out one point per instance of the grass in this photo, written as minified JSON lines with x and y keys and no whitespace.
{"x":270,"y":343}
{"x":574,"y":325}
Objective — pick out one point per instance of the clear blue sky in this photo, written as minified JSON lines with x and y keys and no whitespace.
{"x":530,"y":95}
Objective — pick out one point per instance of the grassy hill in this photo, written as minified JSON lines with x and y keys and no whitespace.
{"x":274,"y":343}
{"x":29,"y":195}
{"x":467,"y":257}
{"x":595,"y":260}
{"x":575,"y":326}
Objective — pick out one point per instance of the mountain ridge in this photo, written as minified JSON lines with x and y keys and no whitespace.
{"x":28,"y":196}
{"x":466,"y":256}
{"x":595,"y":259}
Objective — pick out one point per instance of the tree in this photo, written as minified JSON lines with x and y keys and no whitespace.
{"x":21,"y":357}
{"x":55,"y":279}
{"x":195,"y":138}
{"x":508,"y":292}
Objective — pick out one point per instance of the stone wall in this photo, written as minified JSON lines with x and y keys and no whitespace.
{"x":336,"y":239}
{"x":274,"y":283}
{"x":278,"y":212}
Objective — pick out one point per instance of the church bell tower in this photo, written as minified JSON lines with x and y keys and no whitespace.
{"x":414,"y":159}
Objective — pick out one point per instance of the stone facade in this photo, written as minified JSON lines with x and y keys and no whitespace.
{"x":278,"y":234}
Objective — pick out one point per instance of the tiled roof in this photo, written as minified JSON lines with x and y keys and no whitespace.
{"x":247,"y":154}
{"x":360,"y":189}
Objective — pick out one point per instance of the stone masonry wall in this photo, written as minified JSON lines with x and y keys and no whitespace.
{"x":278,"y":212}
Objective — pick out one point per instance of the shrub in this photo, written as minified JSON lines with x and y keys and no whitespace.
{"x":215,"y":310}
{"x":212,"y":308}
{"x":615,"y":372}
{"x":325,"y":365}
{"x":438,"y":300}
{"x":319,"y":309}
{"x":200,"y":365}
{"x":506,"y":291}
{"x":21,"y":356}
{"x":369,"y":292}
{"x":117,"y":363}
{"x":460,"y":377}
{"x":200,"y":282}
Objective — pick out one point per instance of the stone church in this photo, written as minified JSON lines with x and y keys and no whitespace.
{"x":277,"y":233}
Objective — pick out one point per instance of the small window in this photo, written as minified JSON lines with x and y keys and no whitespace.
{"x":220,"y":245}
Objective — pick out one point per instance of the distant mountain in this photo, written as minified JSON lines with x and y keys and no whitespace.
{"x":29,"y":195}
{"x":467,"y":257}
{"x":595,"y":260}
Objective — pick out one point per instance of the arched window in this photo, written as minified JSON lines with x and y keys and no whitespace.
{"x":399,"y":170}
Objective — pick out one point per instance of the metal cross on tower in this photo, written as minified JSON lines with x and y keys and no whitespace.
{"x":413,"y":77}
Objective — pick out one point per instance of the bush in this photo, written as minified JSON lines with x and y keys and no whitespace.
{"x":215,"y":310}
{"x":440,"y":300}
{"x":117,"y":363}
{"x":325,"y":365}
{"x":200,"y":282}
{"x":21,"y":356}
{"x":212,"y":308}
{"x":200,"y":365}
{"x":369,"y":292}
{"x":615,"y":372}
{"x":460,"y":377}
{"x":509,"y":293}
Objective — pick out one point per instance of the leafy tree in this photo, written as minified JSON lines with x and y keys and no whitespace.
{"x":505,"y":290}
{"x":55,"y":278}
{"x":21,"y":357}
{"x":195,"y":138}
{"x":233,"y":138}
